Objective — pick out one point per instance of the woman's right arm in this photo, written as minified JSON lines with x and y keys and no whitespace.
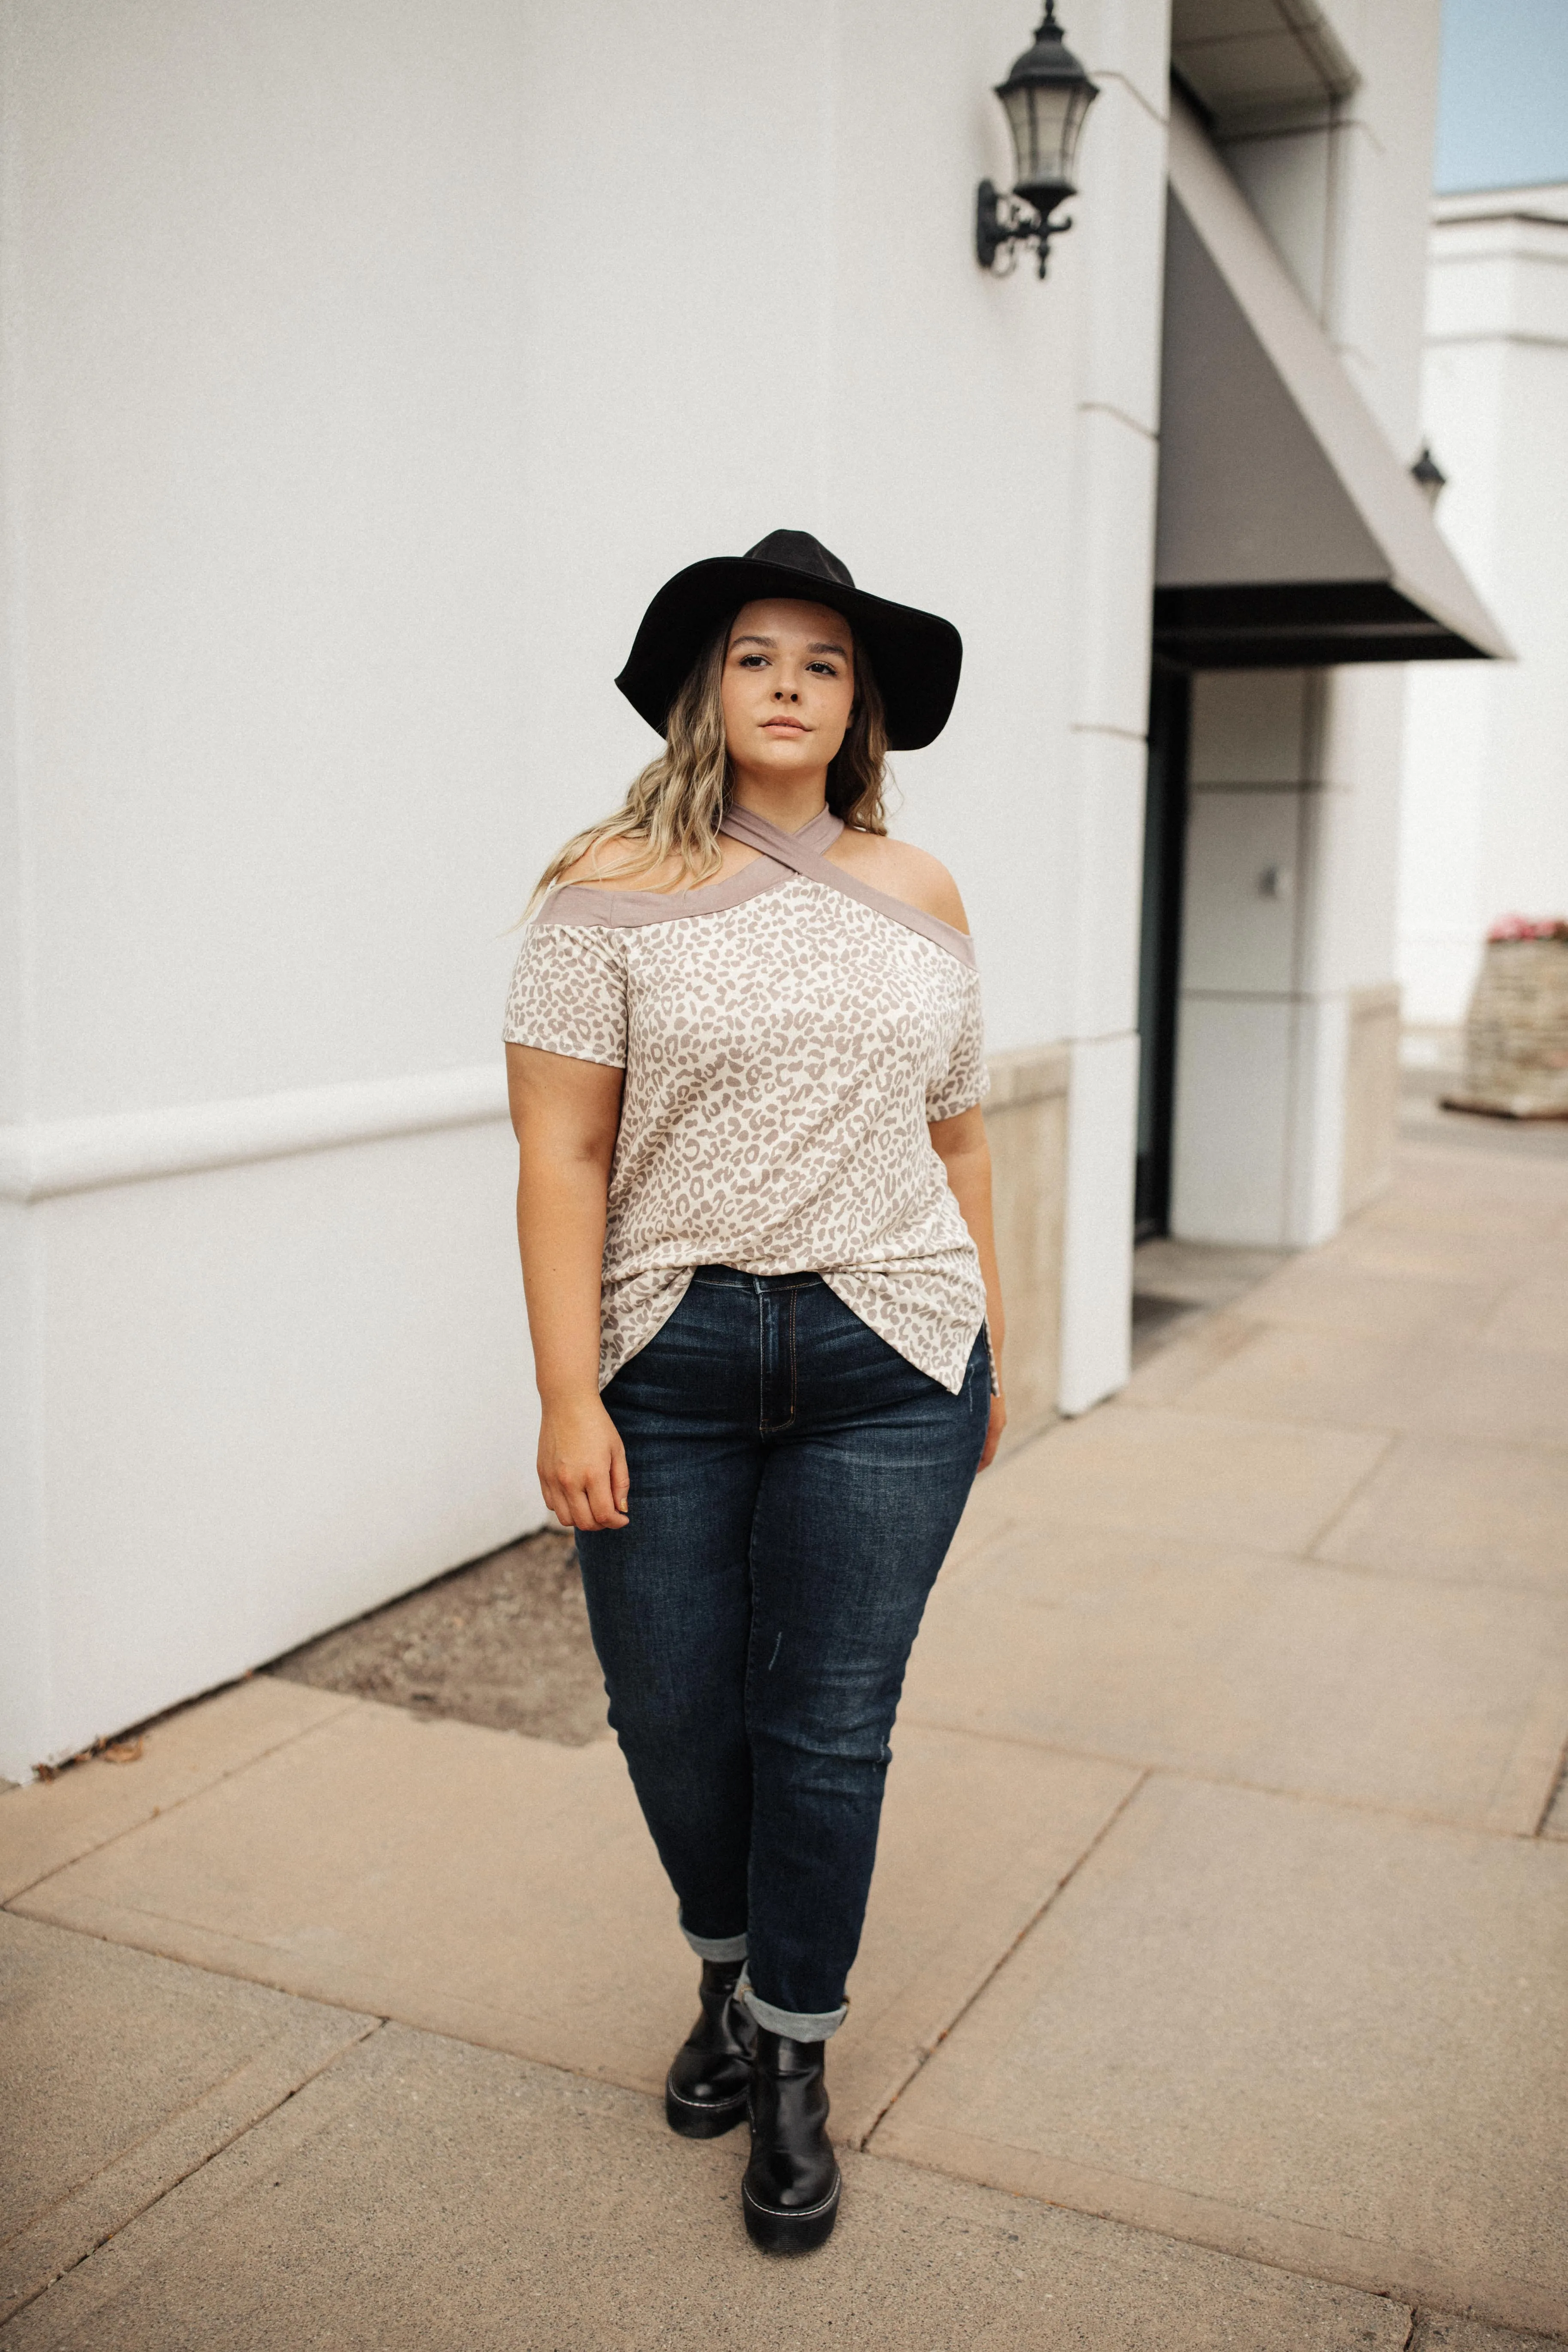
{"x":565,"y":1114}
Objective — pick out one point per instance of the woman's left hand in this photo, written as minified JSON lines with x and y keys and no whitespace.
{"x":994,"y":1433}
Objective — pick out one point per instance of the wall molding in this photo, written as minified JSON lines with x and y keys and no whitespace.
{"x":41,"y":1160}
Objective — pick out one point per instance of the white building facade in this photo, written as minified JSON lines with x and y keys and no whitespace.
{"x":1486,"y":783}
{"x":365,"y":368}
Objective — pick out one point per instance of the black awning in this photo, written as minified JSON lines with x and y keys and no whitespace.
{"x":1290,"y":536}
{"x":1298,"y":625}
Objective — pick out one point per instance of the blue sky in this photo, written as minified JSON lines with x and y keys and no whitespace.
{"x":1502,"y":118}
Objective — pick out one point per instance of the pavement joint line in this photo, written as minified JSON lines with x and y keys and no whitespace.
{"x":177,"y":1804}
{"x":1418,"y":1816}
{"x":1366,"y":1571}
{"x":1461,"y":1437}
{"x":320,"y":2000}
{"x":235,"y":1975}
{"x":1102,"y":1832}
{"x":268,"y":1984}
{"x":1390,"y":1439}
{"x":1121,"y":1403}
{"x":199,"y":2164}
{"x":1559,"y":1779}
{"x":1516,"y":1806}
{"x":130,"y":2148}
{"x":1390,"y":1430}
{"x":1482,"y":2308}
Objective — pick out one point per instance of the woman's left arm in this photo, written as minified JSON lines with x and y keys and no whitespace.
{"x":960,"y":1144}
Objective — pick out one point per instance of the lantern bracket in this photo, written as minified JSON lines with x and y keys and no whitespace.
{"x":1007,"y":221}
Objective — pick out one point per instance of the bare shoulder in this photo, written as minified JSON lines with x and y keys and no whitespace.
{"x":617,"y":863}
{"x":606,"y":866}
{"x":903,"y":872}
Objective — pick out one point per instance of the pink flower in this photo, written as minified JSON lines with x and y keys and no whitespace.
{"x":1528,"y":927}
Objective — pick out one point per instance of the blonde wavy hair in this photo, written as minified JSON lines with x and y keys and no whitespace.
{"x":676,"y":806}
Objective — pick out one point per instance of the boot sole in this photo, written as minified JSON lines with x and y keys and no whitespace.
{"x":702,"y":2122}
{"x":779,"y":2231}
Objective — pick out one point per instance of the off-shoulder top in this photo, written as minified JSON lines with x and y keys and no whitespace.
{"x":787,"y":1033}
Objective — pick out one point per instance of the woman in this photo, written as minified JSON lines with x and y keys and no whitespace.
{"x":754,"y":1212}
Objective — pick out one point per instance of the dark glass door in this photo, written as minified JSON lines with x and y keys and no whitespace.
{"x":1160,"y":956}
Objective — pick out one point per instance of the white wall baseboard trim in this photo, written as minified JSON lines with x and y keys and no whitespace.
{"x":46,"y":1157}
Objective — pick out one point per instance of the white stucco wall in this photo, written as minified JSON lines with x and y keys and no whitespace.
{"x":1485,"y":829}
{"x":365,"y":367}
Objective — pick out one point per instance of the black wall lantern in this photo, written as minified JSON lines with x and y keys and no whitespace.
{"x":1428,"y":476}
{"x":1046,"y":98}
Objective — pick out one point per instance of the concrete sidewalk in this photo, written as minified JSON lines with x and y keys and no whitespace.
{"x":1214,"y":1991}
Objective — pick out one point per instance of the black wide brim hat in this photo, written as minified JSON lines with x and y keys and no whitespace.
{"x":915,"y":656}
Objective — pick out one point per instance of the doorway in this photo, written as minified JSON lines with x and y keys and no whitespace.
{"x":1160,"y":950}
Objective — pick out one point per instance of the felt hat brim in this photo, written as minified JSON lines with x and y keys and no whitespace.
{"x":915,"y":656}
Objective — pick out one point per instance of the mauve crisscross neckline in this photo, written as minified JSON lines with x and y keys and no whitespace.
{"x":781,"y":857}
{"x":800,"y":854}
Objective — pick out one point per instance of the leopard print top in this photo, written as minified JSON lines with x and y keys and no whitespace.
{"x":786,"y":1034}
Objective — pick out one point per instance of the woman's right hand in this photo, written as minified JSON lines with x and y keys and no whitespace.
{"x":582,"y":1465}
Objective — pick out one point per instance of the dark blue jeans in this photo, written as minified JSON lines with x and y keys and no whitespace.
{"x":794,"y":1486}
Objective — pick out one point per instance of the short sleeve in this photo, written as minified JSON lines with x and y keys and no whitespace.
{"x":569,"y":993}
{"x":965,"y":1080}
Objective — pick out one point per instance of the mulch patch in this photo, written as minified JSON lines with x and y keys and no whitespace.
{"x":503,"y":1643}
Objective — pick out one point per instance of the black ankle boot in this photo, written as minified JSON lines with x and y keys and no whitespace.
{"x":790,"y":2193}
{"x":705,"y":2091}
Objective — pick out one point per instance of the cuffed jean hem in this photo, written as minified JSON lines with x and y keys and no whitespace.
{"x":795,"y":2024}
{"x":715,"y":1947}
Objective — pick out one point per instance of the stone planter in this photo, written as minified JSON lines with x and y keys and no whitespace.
{"x":1516,"y":1035}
